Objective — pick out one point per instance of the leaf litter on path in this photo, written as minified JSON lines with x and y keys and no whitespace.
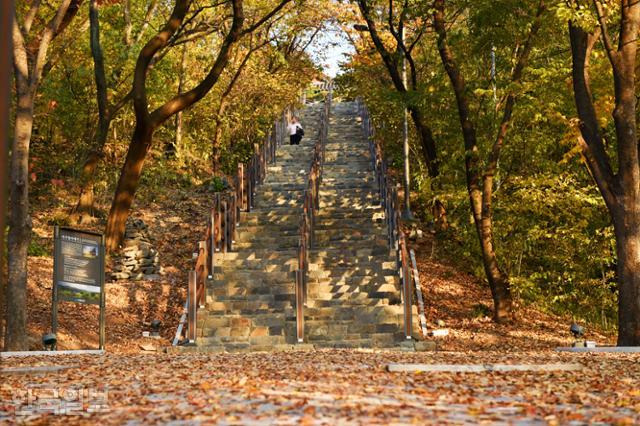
{"x":307,"y":388}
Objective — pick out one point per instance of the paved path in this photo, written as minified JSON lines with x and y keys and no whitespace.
{"x":325,"y":387}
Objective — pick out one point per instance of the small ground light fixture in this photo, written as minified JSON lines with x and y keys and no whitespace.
{"x":49,"y":341}
{"x":576,"y":330}
{"x":155,"y":327}
{"x":578,"y":334}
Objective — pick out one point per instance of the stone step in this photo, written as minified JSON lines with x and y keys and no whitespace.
{"x":365,"y":314}
{"x":318,"y":330}
{"x":230,"y":291}
{"x":355,"y":250}
{"x":338,"y":259}
{"x":280,"y":202}
{"x":357,"y":343}
{"x":324,"y":303}
{"x":261,"y":245}
{"x":371,"y":287}
{"x":286,"y":228}
{"x":281,"y":292}
{"x":209,"y":320}
{"x":247,"y":307}
{"x":344,"y":172}
{"x":346,"y":263}
{"x":253,"y":277}
{"x":364,"y":178}
{"x":352,"y":224}
{"x":318,"y":300}
{"x":272,"y":238}
{"x":273,"y":225}
{"x":241,"y":342}
{"x":357,"y":280}
{"x":256,"y":263}
{"x":264,"y":254}
{"x":353,"y":203}
{"x":351,"y":272}
{"x":282,"y":186}
{"x":221,"y":295}
{"x":379,"y":242}
{"x":351,"y":191}
{"x":289,"y":193}
{"x":325,"y":239}
{"x":266,"y":217}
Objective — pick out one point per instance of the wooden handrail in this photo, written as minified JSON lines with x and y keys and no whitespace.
{"x":310,"y":206}
{"x":223,"y":220}
{"x":389,"y":201}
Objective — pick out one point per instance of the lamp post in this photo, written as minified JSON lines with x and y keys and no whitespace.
{"x":6,"y":66}
{"x":405,"y":140}
{"x":493,"y":75}
{"x":405,"y":130}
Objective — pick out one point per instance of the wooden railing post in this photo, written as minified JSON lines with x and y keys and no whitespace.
{"x":299,"y":306}
{"x":406,"y":287}
{"x":192,"y":307}
{"x":212,"y":246}
{"x":202,"y":249}
{"x":250,"y":174}
{"x":234,"y":221}
{"x":218,"y":223}
{"x":240,"y":186}
{"x":224,"y":219}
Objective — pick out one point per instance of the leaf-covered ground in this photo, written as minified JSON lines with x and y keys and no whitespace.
{"x":322,"y":387}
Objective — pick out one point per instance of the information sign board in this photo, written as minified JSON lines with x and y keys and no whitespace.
{"x":78,"y":271}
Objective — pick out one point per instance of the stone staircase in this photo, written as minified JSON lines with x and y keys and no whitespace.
{"x":353,"y":290}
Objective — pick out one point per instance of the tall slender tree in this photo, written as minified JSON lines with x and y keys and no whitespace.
{"x":620,"y":188}
{"x":5,"y":78}
{"x":30,"y":65}
{"x":480,"y":178}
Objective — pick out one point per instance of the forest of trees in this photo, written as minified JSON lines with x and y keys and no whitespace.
{"x":523,"y":125}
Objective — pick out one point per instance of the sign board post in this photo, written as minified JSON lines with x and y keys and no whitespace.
{"x":78,"y":272}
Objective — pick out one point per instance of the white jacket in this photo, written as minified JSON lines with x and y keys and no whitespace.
{"x":293,"y":128}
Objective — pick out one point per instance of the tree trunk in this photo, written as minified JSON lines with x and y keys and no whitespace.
{"x":427,"y":142}
{"x":6,"y":17}
{"x":481,"y":211}
{"x":28,"y":74}
{"x":85,"y":205}
{"x":479,"y":195}
{"x":627,"y":229}
{"x":127,"y":184}
{"x":19,"y":225}
{"x":621,"y":190}
{"x":498,"y":280}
